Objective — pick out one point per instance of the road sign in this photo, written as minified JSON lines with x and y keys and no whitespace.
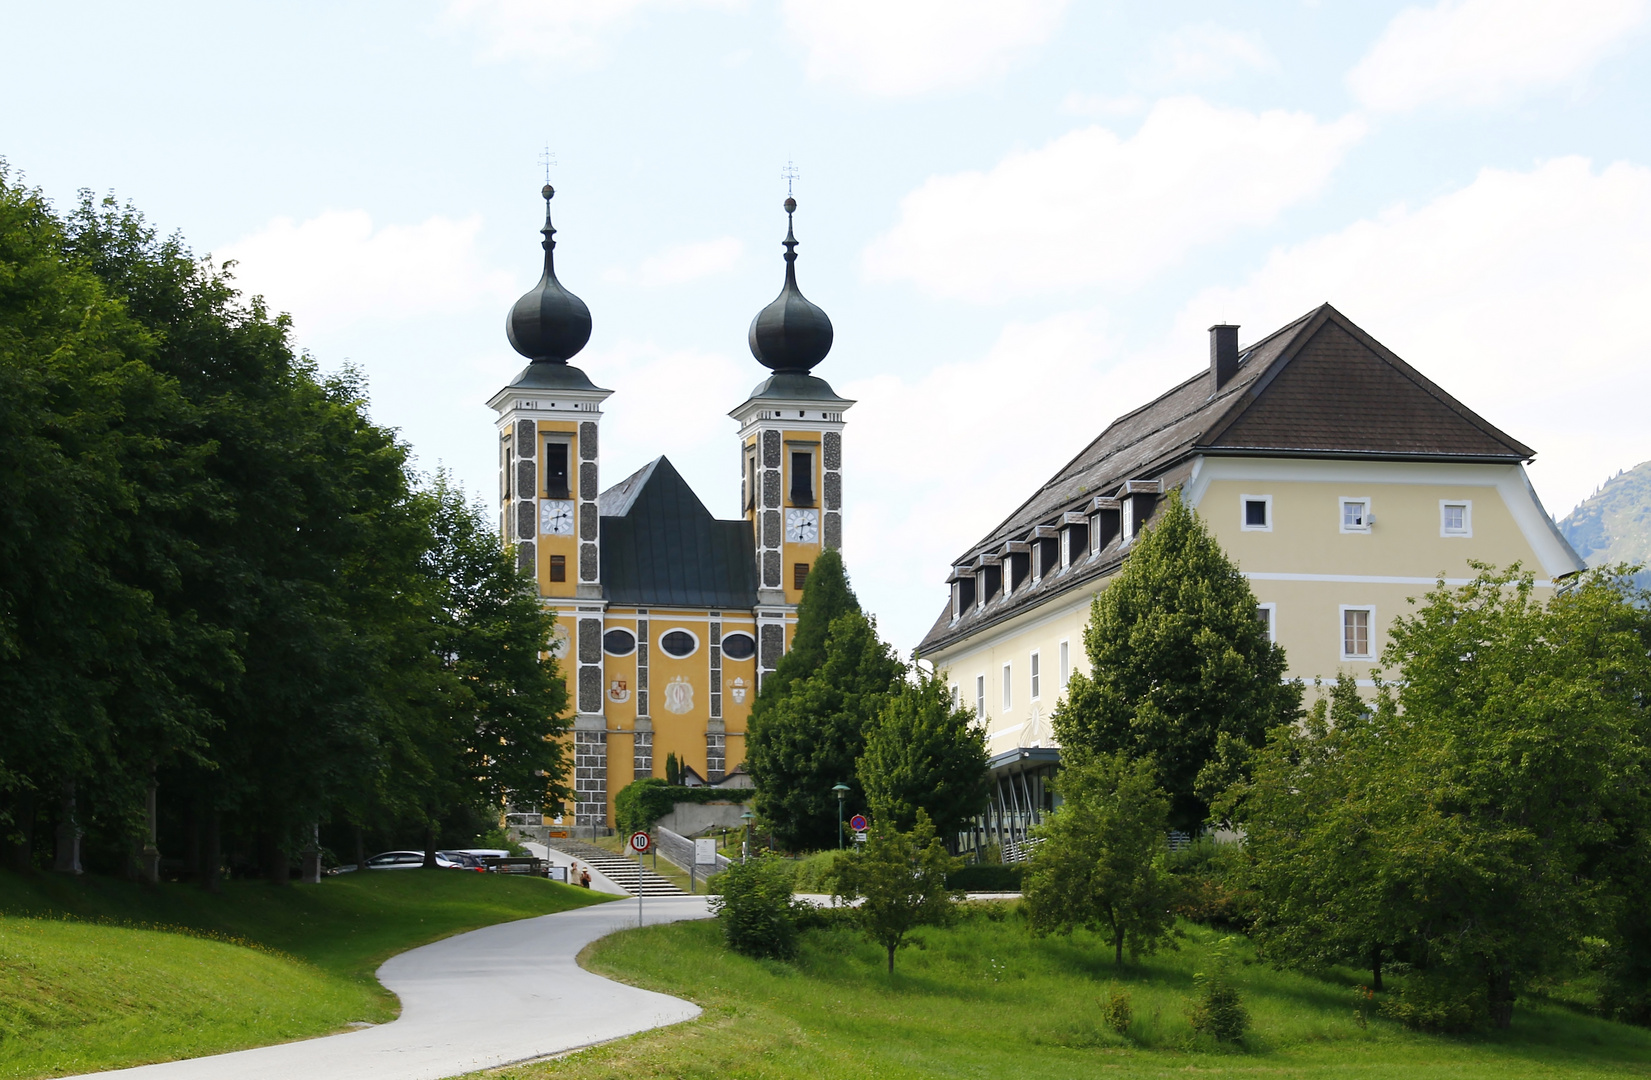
{"x":639,"y":842}
{"x":858,"y":823}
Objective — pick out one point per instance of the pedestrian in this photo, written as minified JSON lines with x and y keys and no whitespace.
{"x":584,"y":877}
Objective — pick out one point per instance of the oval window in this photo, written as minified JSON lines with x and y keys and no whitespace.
{"x":739,"y":646}
{"x":678,"y":643}
{"x":618,"y":642}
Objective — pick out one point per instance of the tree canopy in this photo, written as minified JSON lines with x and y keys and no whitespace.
{"x":924,"y":754}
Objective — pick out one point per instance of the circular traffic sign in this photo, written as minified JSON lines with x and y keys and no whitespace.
{"x":639,"y":842}
{"x":858,"y":823}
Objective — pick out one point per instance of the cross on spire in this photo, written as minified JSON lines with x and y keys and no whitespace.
{"x":789,"y":174}
{"x":547,"y":159}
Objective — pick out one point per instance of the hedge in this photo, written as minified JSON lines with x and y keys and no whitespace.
{"x":987,"y":877}
{"x":638,"y":805}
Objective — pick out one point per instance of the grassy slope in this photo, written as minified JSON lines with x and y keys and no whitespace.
{"x":132,"y":995}
{"x":986,"y":1000}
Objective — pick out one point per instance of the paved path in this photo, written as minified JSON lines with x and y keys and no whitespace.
{"x":490,"y":997}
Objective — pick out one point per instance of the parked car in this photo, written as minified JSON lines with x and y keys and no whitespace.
{"x":402,"y":860}
{"x":464,"y":860}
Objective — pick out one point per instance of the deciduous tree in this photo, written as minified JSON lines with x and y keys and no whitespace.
{"x":899,"y":881}
{"x":924,"y":753}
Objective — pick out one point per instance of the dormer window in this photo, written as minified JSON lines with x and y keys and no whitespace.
{"x":963,"y":595}
{"x":1126,"y":521}
{"x":556,"y":469}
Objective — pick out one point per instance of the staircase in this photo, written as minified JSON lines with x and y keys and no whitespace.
{"x":620,"y":869}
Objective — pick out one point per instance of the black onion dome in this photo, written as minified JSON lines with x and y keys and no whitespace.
{"x":548,"y":324}
{"x":790,"y":334}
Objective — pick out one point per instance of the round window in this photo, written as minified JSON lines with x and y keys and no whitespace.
{"x":618,"y":642}
{"x":678,"y":643}
{"x":739,"y":646}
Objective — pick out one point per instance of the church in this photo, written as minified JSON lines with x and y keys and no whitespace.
{"x":667,"y":618}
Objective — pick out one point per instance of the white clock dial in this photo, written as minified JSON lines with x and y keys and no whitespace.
{"x":802,"y":526}
{"x":556,"y":517}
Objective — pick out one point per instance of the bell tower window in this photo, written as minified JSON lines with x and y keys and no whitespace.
{"x":802,"y":478}
{"x":556,"y":469}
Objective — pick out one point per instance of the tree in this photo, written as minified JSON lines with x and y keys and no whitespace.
{"x":924,"y":753}
{"x":899,"y":879}
{"x":1182,"y":673}
{"x":1101,"y":864}
{"x":811,"y":737}
{"x":756,"y":909}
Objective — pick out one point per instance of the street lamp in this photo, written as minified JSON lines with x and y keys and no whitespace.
{"x":842,"y":791}
{"x":745,"y":852}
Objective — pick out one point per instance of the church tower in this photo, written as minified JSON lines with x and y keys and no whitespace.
{"x":791,"y":454}
{"x":550,"y":415}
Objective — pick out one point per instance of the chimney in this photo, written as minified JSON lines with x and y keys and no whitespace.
{"x":1223,"y":354}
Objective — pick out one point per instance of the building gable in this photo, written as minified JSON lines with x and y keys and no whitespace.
{"x":661,"y":546}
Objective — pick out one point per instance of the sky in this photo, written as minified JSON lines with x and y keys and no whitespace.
{"x":1021,"y":217}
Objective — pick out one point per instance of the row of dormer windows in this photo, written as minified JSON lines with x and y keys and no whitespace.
{"x":1355,"y":514}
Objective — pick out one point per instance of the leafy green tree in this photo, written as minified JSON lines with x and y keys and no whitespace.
{"x":810,"y":738}
{"x":1182,"y":673}
{"x":899,"y":879}
{"x":1101,"y":864}
{"x":756,"y":909}
{"x":925,"y":753}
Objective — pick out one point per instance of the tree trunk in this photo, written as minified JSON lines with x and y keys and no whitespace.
{"x":360,"y":849}
{"x":1501,"y":999}
{"x":272,"y":858}
{"x":20,"y":855}
{"x":212,"y":853}
{"x":1376,"y":967}
{"x":1118,"y":948}
{"x":892,"y":947}
{"x":430,"y":848}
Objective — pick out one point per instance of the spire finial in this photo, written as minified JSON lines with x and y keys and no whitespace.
{"x":548,"y":323}
{"x":788,"y":174}
{"x":790,"y":334}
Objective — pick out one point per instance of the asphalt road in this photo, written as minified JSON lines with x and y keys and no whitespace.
{"x":493,"y":996}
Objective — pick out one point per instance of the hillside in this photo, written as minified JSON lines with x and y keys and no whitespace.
{"x":1613,"y":525}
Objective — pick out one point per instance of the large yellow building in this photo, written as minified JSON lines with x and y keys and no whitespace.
{"x":1339,"y":479}
{"x":667,"y":618}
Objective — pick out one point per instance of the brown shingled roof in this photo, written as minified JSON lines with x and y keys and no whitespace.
{"x":1317,"y":387}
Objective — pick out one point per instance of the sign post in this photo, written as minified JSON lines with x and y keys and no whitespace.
{"x":639,"y":843}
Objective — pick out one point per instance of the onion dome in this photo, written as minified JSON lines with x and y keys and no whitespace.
{"x":548,"y":324}
{"x":790,"y":334}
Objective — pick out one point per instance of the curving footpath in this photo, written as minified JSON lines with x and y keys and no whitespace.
{"x":490,"y":997}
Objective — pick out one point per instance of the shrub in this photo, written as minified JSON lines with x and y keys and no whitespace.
{"x":1208,"y":893}
{"x":638,"y":805}
{"x":816,"y":873}
{"x":985,"y":877}
{"x":755,"y":908}
{"x":499,"y":840}
{"x":1116,"y":1013}
{"x":1218,"y":1011}
{"x":1433,"y":1003}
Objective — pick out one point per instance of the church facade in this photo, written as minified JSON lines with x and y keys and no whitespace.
{"x":667,"y":618}
{"x":1339,"y":478}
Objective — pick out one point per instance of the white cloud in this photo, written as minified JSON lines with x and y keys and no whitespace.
{"x":1205,"y":53}
{"x":898,"y":48}
{"x":684,"y":263}
{"x":337,"y":269}
{"x":1091,"y":208}
{"x":1078,"y":103}
{"x":1524,"y":294}
{"x":576,"y":31}
{"x":1482,"y":52}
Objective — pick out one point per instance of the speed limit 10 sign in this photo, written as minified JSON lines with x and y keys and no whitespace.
{"x":639,"y":842}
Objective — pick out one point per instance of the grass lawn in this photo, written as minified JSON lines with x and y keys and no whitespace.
{"x":984,"y":999}
{"x":90,"y":977}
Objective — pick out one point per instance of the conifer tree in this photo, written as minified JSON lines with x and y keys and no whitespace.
{"x":1182,"y":673}
{"x":923,"y":753}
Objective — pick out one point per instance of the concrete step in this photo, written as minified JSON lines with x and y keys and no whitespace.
{"x":621,"y":869}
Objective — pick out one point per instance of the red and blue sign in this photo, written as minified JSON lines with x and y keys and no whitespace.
{"x":858,"y":823}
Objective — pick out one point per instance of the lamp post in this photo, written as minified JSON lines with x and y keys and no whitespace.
{"x":842,"y":791}
{"x":745,"y":847}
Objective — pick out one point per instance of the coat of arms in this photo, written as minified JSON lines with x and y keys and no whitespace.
{"x":679,"y":695}
{"x":618,"y":692}
{"x":737,"y":688}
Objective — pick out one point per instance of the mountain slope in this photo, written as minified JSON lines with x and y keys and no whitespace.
{"x":1613,"y":525}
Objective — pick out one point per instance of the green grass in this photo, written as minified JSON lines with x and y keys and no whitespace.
{"x":101,"y":973}
{"x":985,"y":999}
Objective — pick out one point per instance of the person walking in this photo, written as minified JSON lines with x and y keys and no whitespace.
{"x":584,"y":877}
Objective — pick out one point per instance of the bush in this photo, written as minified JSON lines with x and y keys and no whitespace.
{"x":758,"y":916}
{"x":1208,"y":894}
{"x":499,"y":840}
{"x":1432,"y":1003}
{"x":985,"y":877}
{"x":816,"y":873}
{"x":638,"y":805}
{"x":1116,"y":1013}
{"x":1219,"y":1012}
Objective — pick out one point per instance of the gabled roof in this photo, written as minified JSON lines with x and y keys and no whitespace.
{"x":1316,"y":387}
{"x":661,"y":547}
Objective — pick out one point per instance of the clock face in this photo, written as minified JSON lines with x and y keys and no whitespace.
{"x":556,"y":517}
{"x":802,"y":526}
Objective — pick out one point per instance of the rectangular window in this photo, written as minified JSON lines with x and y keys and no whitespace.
{"x":799,"y":574}
{"x":1066,"y":548}
{"x":1036,"y":689}
{"x":1066,"y":664}
{"x":558,"y":568}
{"x":556,"y":470}
{"x":1265,"y":615}
{"x":1355,"y":632}
{"x":751,"y":480}
{"x":802,"y":478}
{"x":1455,"y":519}
{"x":509,"y":471}
{"x":1126,"y":521}
{"x":980,"y":697}
{"x":1258,"y":513}
{"x":957,"y":696}
{"x":1355,"y":515}
{"x":1008,"y":682}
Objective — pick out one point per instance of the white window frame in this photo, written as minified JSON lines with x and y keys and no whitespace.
{"x":1341,"y":514}
{"x":1341,"y":631}
{"x":980,"y":697}
{"x":1066,"y":663}
{"x":660,"y":640}
{"x":1244,"y":502}
{"x":1066,"y":548}
{"x":957,"y":696}
{"x":1008,"y":687}
{"x":1466,"y":531}
{"x":1094,"y":535}
{"x":1271,"y":608}
{"x":1126,"y":521}
{"x":1036,"y":674}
